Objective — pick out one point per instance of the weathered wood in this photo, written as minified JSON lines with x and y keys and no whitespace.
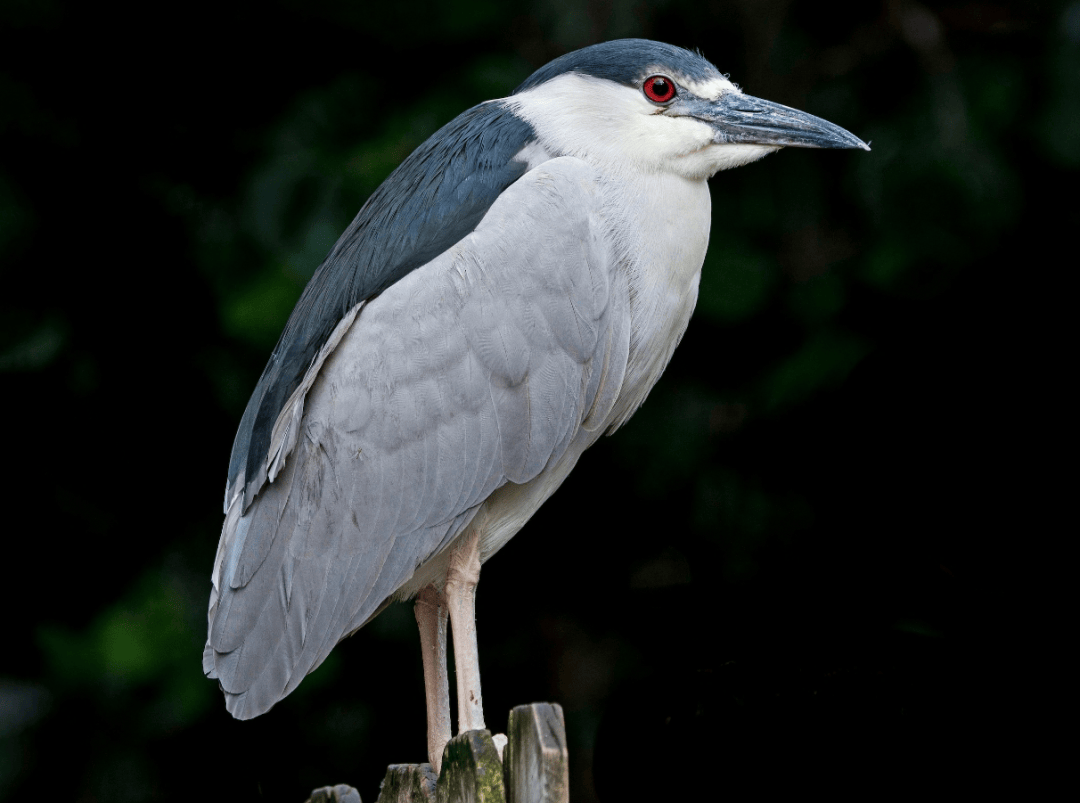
{"x":534,"y":767}
{"x":408,"y":783}
{"x":471,"y":771}
{"x":536,"y":762}
{"x":341,"y":793}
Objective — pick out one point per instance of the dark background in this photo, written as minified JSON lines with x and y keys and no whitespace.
{"x":806,"y":563}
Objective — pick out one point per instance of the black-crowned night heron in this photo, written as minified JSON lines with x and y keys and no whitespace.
{"x":509,"y":294}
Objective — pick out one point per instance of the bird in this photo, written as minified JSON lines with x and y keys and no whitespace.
{"x":510,"y":293}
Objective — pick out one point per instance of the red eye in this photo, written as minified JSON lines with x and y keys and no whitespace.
{"x":659,"y":89}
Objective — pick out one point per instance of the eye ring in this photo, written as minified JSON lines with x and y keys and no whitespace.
{"x":659,"y":89}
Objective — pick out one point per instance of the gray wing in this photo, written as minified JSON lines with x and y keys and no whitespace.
{"x":433,"y":199}
{"x":478,"y":369}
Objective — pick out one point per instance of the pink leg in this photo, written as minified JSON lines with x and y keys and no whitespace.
{"x":461,"y":579}
{"x":431,"y":614}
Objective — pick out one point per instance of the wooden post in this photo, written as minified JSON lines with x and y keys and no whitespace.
{"x":535,"y":767}
{"x":408,"y":783}
{"x":471,"y":771}
{"x":342,"y":793}
{"x":536,"y":762}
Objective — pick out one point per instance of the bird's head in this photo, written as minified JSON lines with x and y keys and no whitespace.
{"x":639,"y":104}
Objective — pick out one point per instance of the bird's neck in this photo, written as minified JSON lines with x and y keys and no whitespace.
{"x":662,"y":222}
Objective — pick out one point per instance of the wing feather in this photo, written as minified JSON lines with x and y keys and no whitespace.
{"x":476,"y":370}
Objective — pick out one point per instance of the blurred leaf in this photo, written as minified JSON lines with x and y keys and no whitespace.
{"x":819,"y":299}
{"x":1059,"y":125}
{"x":461,"y":19}
{"x":735,"y":283}
{"x":742,"y":516}
{"x":495,"y":76}
{"x":258,"y":314}
{"x":825,"y":360}
{"x":886,"y":263}
{"x":32,"y":348}
{"x":664,"y":438}
{"x":147,"y":638}
{"x":16,"y":214}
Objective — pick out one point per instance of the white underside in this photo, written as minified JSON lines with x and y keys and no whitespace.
{"x":660,"y":227}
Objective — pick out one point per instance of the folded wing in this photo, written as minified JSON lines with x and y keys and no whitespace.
{"x":478,"y":369}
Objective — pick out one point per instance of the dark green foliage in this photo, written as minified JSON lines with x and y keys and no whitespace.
{"x":813,"y":538}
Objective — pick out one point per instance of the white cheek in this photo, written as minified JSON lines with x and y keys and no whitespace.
{"x":661,"y":143}
{"x":725,"y":157}
{"x":606,"y":124}
{"x":616,"y":127}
